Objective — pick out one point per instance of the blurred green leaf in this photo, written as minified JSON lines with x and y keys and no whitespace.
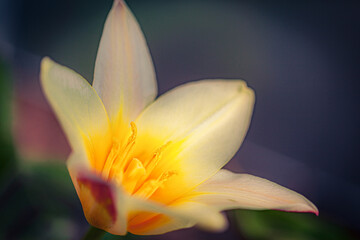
{"x":96,"y":233}
{"x":128,"y":236}
{"x":49,"y":173}
{"x":41,"y":201}
{"x":269,"y":225}
{"x":5,"y":103}
{"x":7,"y":156}
{"x":49,"y":185}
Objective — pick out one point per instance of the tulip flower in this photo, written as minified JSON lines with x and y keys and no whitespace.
{"x":150,"y":166}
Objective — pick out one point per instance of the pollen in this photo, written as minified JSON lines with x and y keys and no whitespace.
{"x":135,"y":174}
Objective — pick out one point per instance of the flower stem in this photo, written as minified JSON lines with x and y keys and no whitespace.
{"x":94,"y":234}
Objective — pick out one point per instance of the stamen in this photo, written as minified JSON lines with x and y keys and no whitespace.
{"x":137,"y":177}
{"x":115,"y":150}
{"x":150,"y":186}
{"x":128,"y":147}
{"x":133,"y":173}
{"x":152,"y":163}
{"x":166,"y":175}
{"x":118,"y":157}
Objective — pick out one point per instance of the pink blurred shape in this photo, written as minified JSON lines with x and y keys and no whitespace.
{"x":37,"y":133}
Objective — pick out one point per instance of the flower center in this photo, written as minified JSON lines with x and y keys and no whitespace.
{"x":135,"y":174}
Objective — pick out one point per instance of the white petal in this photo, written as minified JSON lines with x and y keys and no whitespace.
{"x":227,"y":190}
{"x":99,"y":198}
{"x":208,"y":118}
{"x":124,"y":74}
{"x":176,"y":216}
{"x":133,"y":214}
{"x":78,"y":108}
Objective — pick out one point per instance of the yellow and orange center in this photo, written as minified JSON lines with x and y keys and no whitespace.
{"x":135,"y":174}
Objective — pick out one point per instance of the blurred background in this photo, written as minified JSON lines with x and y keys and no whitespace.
{"x":300,"y":57}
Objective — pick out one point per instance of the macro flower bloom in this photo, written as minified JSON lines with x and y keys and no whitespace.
{"x":150,"y":166}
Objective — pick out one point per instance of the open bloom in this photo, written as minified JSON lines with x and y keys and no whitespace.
{"x":149,"y":167}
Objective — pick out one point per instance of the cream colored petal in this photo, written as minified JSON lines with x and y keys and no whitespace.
{"x":100,"y":199}
{"x":179,"y":215}
{"x":205,"y":123}
{"x":227,"y":190}
{"x":78,"y":108}
{"x":124,"y":74}
{"x":108,"y":207}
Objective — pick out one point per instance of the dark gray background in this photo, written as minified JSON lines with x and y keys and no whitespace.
{"x":300,"y":57}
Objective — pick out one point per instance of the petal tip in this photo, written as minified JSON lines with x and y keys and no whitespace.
{"x":45,"y":66}
{"x":244,"y":88}
{"x":216,"y":222}
{"x":307,"y":207}
{"x":98,"y":201}
{"x":314,"y":210}
{"x":311,"y":208}
{"x":119,"y":3}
